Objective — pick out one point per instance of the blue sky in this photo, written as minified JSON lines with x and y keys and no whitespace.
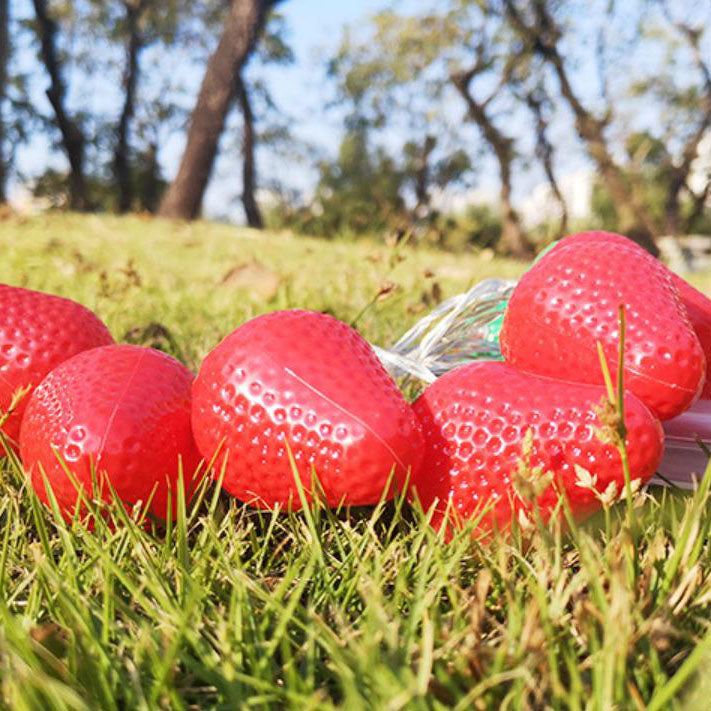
{"x":314,"y":29}
{"x":301,"y":90}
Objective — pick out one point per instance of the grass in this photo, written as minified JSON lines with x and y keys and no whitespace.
{"x":357,"y":609}
{"x":200,"y":281}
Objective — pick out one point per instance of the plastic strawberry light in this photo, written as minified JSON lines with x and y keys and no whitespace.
{"x":118,"y":416}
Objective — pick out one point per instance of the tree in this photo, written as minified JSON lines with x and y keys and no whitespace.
{"x":86,"y":39}
{"x":368,"y":191}
{"x":249,"y":178}
{"x":132,"y":27}
{"x":679,"y":171}
{"x":542,"y":32}
{"x":358,"y":193}
{"x":538,"y":101}
{"x":136,"y":41}
{"x":72,"y":136}
{"x":458,"y":47}
{"x":136,"y":25}
{"x":4,"y":79}
{"x":243,"y":26}
{"x":513,"y":238}
{"x":272,"y":49}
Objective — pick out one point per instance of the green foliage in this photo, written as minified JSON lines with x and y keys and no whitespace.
{"x":366,"y":192}
{"x":394,"y":72}
{"x":650,"y":170}
{"x":401,"y":69}
{"x":53,"y":186}
{"x":93,"y":40}
{"x":408,"y":134}
{"x":363,"y":194}
{"x":359,"y":194}
{"x":478,"y":226}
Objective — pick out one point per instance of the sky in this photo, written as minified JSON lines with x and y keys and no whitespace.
{"x":314,"y":28}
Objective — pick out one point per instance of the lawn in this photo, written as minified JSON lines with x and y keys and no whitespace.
{"x":233,"y":608}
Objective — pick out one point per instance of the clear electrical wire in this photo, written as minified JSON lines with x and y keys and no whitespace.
{"x":461,"y":329}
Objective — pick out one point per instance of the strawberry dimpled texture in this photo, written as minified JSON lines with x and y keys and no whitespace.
{"x":38,"y":332}
{"x":697,"y":305}
{"x":568,"y":302}
{"x":123,"y":411}
{"x":306,"y":383}
{"x":476,"y":419}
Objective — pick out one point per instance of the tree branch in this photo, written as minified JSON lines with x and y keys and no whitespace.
{"x":542,"y":36}
{"x":545,"y":151}
{"x":680,"y":173}
{"x":699,"y":203}
{"x":502,"y":146}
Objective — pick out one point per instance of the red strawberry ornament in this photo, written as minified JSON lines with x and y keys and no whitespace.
{"x":698,"y":308}
{"x":697,"y":305}
{"x":306,"y":382}
{"x":568,"y":301}
{"x":37,"y":332}
{"x":478,"y":421}
{"x":123,"y":411}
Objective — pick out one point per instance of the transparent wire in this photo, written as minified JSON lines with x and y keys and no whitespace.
{"x":460,"y":330}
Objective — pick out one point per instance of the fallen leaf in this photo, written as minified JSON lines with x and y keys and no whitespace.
{"x":253,"y":277}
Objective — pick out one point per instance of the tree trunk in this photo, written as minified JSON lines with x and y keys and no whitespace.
{"x":4,"y":60}
{"x":542,"y":37}
{"x":244,"y":23}
{"x":544,"y":153}
{"x":672,"y":207}
{"x":422,"y":174}
{"x":148,"y":181}
{"x":249,"y":179}
{"x":631,"y":213}
{"x":122,"y":161}
{"x":513,"y":239}
{"x":72,"y":137}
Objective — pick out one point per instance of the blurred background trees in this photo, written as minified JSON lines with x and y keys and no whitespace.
{"x":4,"y":62}
{"x":458,"y":123}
